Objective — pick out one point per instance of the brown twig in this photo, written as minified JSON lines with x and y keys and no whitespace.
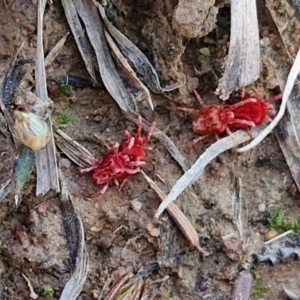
{"x":179,"y":218}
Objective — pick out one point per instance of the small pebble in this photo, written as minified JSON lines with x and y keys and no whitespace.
{"x":270,"y":234}
{"x":204,"y":51}
{"x":153,"y":231}
{"x":104,"y":243}
{"x":262,"y":207}
{"x":64,"y":163}
{"x":222,"y":174}
{"x":265,"y":42}
{"x":111,"y":218}
{"x":136,"y":205}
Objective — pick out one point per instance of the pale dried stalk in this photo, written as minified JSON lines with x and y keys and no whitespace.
{"x":197,"y":168}
{"x":72,"y":149}
{"x":55,"y":51}
{"x":135,"y":56}
{"x":33,"y":294}
{"x":286,"y":93}
{"x":5,"y":188}
{"x":109,"y":74}
{"x":178,"y":217}
{"x":115,"y":289}
{"x":46,"y":165}
{"x":80,"y":37}
{"x":242,"y":65}
{"x":130,"y":72}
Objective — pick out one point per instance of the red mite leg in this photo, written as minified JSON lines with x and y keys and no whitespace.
{"x":140,"y":125}
{"x":241,"y":103}
{"x":201,"y":102}
{"x":267,"y":118}
{"x":243,"y":93}
{"x":122,"y":184}
{"x":275,"y":98}
{"x":85,"y":170}
{"x":228,"y":131}
{"x":250,"y":132}
{"x":240,"y":121}
{"x":190,"y":110}
{"x":101,"y":192}
{"x":217,"y":137}
{"x":196,"y":140}
{"x":150,"y":133}
{"x":90,"y":159}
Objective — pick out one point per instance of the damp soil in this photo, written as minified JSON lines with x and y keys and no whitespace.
{"x":33,"y":239}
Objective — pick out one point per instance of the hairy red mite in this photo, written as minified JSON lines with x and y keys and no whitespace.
{"x":246,"y":114}
{"x":121,"y":161}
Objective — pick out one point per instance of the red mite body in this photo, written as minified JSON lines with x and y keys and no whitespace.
{"x":215,"y":119}
{"x":121,"y":161}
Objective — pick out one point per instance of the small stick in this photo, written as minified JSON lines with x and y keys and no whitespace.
{"x":33,"y":294}
{"x":178,"y":217}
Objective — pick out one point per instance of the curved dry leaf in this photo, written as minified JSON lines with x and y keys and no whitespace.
{"x":82,"y":41}
{"x":127,"y":68}
{"x":137,"y":58}
{"x":5,"y":189}
{"x":108,"y":72}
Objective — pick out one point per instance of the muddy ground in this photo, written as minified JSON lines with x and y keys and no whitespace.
{"x":33,"y":240}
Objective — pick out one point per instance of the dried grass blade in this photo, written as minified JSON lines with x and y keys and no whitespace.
{"x":74,"y":286}
{"x":116,"y":287}
{"x":105,"y":289}
{"x":55,"y":51}
{"x":127,"y":68}
{"x":9,"y":122}
{"x":109,"y":74}
{"x":5,"y":189}
{"x":11,"y":81}
{"x":179,"y":218}
{"x":72,"y":149}
{"x":46,"y":166}
{"x":292,"y":77}
{"x":197,"y":168}
{"x":242,"y":65}
{"x":137,"y":58}
{"x":82,"y":41}
{"x":163,"y":138}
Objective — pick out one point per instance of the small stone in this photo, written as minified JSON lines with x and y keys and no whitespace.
{"x":112,"y":218}
{"x":105,"y":243}
{"x":136,"y":205}
{"x":153,"y":231}
{"x":262,"y":207}
{"x":205,"y":51}
{"x":222,"y":174}
{"x":270,"y":234}
{"x":64,"y":163}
